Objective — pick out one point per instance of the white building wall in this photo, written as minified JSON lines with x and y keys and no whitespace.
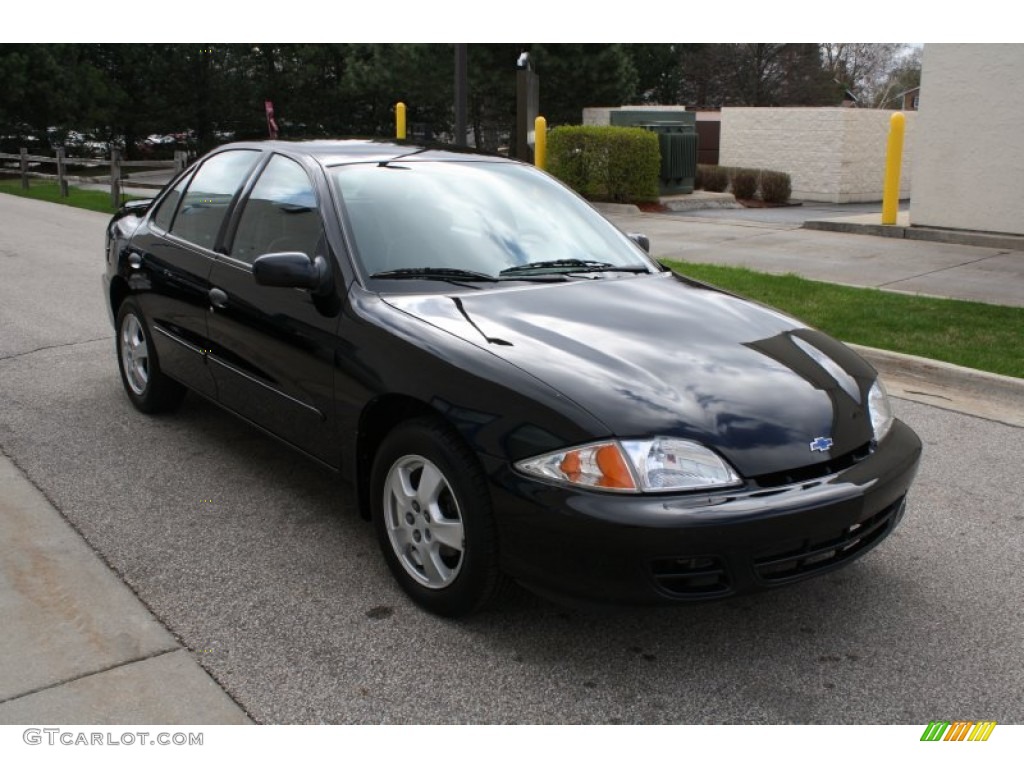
{"x":969,"y":163}
{"x":833,"y":154}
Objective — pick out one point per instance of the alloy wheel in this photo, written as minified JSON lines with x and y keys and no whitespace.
{"x":135,"y":354}
{"x":423,"y":522}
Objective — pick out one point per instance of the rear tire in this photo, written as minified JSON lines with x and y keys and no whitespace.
{"x":149,"y":389}
{"x":432,"y":512}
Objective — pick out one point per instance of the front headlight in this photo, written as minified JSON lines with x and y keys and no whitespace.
{"x":635,"y":466}
{"x":880,"y":410}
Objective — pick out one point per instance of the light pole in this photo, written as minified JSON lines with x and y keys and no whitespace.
{"x":461,"y":92}
{"x":527,"y":106}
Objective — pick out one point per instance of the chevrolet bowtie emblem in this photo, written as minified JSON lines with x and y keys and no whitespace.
{"x":821,"y":443}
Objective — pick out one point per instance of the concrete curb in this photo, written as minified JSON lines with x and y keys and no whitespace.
{"x":929,"y":234}
{"x":700,"y":201}
{"x":700,"y":205}
{"x":696,"y":201}
{"x":948,"y":386}
{"x":625,"y":208}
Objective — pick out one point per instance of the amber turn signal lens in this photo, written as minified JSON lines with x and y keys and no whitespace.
{"x":614,"y":472}
{"x":602,"y":466}
{"x":571,"y":465}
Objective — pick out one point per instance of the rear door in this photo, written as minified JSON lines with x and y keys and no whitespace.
{"x":272,"y":349}
{"x":171,"y":260}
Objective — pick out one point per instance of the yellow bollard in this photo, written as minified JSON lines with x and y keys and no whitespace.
{"x":400,"y":120}
{"x":540,"y":142}
{"x":893,"y":162}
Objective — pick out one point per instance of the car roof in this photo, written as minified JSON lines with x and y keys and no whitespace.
{"x":340,"y":151}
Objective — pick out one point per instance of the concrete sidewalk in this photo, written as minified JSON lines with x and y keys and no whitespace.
{"x":992,"y":274}
{"x":79,"y":648}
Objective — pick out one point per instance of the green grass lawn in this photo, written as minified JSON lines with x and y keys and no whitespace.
{"x":90,"y":199}
{"x":982,"y":336}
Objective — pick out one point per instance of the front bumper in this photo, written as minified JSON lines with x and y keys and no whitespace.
{"x":674,"y":548}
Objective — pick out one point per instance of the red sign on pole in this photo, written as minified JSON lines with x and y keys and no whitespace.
{"x":271,"y":124}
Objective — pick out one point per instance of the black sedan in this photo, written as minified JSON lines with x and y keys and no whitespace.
{"x":516,"y":389}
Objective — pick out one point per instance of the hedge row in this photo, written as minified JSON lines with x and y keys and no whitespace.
{"x":745,"y":183}
{"x":606,"y":163}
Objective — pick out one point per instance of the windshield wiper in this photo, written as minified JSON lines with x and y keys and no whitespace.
{"x":565,"y":266}
{"x":434,"y":273}
{"x":461,"y":275}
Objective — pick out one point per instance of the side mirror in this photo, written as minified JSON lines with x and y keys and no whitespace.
{"x":640,"y":239}
{"x":292,"y":270}
{"x":137,"y":207}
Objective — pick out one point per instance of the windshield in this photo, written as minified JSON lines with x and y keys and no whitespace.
{"x":489,"y":219}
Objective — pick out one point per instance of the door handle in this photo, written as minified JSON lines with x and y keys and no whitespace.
{"x":218,"y":299}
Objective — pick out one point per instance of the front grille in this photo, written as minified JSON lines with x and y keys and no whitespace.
{"x":796,"y":560}
{"x":814,"y":471}
{"x":693,"y":577}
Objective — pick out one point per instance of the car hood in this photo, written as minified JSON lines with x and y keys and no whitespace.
{"x":660,"y":355}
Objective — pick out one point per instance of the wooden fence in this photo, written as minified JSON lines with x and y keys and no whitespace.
{"x":117,"y":166}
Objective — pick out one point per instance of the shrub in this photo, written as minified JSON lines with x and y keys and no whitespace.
{"x":744,"y":183}
{"x":713,"y":178}
{"x":776,"y":187}
{"x":605,"y":162}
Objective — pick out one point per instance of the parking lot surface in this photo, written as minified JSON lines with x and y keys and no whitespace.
{"x":256,"y":561}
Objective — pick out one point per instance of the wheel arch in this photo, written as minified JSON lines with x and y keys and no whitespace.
{"x":119,"y":291}
{"x":377,"y":420}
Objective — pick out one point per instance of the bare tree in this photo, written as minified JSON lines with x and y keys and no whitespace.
{"x":905,"y":75}
{"x":863,"y":68}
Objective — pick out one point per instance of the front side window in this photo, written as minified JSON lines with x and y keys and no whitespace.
{"x":165,"y":213}
{"x":280,"y":215}
{"x":206,"y":201}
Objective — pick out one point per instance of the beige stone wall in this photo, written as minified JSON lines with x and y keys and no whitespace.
{"x":597,"y":116}
{"x":833,"y":154}
{"x":970,"y":155}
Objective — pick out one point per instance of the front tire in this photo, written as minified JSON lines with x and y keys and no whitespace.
{"x":432,"y":512}
{"x":149,"y":389}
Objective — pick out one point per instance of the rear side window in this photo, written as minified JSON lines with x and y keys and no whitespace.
{"x":280,"y":215}
{"x":206,"y":201}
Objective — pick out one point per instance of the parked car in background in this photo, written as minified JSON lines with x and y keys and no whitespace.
{"x":516,"y":388}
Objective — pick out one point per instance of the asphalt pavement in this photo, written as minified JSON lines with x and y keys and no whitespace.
{"x":190,"y":570}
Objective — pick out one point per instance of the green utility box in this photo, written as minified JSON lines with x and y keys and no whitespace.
{"x":677,"y":138}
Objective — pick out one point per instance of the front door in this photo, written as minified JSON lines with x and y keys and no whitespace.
{"x":272,"y":349}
